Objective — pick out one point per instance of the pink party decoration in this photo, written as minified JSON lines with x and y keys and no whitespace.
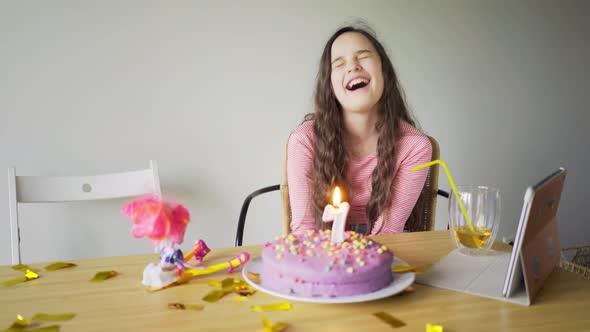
{"x":157,"y":219}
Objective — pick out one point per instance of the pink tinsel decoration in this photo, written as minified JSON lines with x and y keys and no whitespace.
{"x":157,"y":219}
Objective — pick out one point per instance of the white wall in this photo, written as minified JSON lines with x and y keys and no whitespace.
{"x":212,"y":89}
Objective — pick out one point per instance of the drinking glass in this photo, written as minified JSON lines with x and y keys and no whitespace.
{"x":482,"y":205}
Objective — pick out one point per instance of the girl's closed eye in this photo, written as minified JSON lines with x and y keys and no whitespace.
{"x":364,"y":55}
{"x":338,"y":64}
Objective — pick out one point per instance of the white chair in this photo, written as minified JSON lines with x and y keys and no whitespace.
{"x":47,"y":189}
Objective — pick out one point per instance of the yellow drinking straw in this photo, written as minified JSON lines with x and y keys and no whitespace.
{"x":444,"y":165}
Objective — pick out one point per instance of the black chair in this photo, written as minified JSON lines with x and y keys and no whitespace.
{"x":244,"y":210}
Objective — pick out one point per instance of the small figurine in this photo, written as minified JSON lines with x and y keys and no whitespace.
{"x":165,"y":223}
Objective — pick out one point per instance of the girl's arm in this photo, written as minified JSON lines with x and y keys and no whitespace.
{"x":406,"y":185}
{"x":299,"y":163}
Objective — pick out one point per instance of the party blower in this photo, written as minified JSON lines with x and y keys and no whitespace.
{"x":165,"y":223}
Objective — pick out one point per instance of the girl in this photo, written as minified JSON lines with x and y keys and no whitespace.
{"x":361,"y":137}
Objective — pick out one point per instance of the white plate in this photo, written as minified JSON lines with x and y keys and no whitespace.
{"x":400,"y":282}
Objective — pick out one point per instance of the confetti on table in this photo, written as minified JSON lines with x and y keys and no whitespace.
{"x":434,"y":328}
{"x":29,"y":275}
{"x":22,"y":324}
{"x":225,"y":283}
{"x":59,"y":265}
{"x":255,"y":277}
{"x":406,"y":268}
{"x":214,"y":296}
{"x":21,"y":267}
{"x":272,"y":307}
{"x":238,"y":286}
{"x":19,"y":324}
{"x":53,"y":318}
{"x":182,"y":306}
{"x":240,"y":298}
{"x":403,"y":268}
{"x":245,"y":291}
{"x":270,"y":327}
{"x":389,"y":319}
{"x":228,"y":285}
{"x":104,"y":275}
{"x":13,"y":282}
{"x":409,"y":289}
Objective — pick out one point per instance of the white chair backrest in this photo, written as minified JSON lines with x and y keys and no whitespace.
{"x":47,"y":189}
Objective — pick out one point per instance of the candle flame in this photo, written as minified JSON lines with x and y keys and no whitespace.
{"x":336,"y":197}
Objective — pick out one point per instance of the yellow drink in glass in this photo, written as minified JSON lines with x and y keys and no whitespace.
{"x":482,"y":205}
{"x":469,"y":239}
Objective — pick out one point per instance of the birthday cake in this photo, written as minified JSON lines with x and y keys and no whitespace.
{"x":310,"y":265}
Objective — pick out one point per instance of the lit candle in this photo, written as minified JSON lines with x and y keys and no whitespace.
{"x":337,"y":215}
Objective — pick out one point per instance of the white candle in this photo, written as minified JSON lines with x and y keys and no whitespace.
{"x":337,"y":215}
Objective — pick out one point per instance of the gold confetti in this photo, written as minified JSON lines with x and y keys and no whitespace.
{"x":409,"y":289}
{"x":255,"y":277}
{"x":13,"y":282}
{"x":182,"y":306}
{"x":59,"y":265}
{"x":406,"y":268}
{"x":245,"y":291}
{"x":53,"y":318}
{"x":20,"y":267}
{"x":214,"y":296}
{"x":389,"y":319}
{"x":272,"y":307}
{"x":104,"y":275}
{"x":29,"y":275}
{"x":214,"y":283}
{"x":240,"y":298}
{"x":403,"y":268}
{"x":434,"y":328}
{"x":241,"y":287}
{"x":270,"y":327}
{"x":228,"y":284}
{"x":20,"y":320}
{"x":20,"y":323}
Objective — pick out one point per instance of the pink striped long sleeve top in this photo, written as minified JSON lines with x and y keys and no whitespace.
{"x":413,"y":149}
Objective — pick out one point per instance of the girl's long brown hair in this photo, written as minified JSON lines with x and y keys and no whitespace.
{"x":330,"y":159}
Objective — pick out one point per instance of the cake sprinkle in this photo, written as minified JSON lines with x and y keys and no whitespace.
{"x":318,"y":244}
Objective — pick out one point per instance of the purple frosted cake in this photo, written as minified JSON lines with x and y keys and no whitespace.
{"x":310,"y":265}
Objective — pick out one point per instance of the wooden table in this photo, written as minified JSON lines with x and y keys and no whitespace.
{"x":122,"y":304}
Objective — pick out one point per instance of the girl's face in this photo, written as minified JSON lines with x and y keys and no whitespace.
{"x":357,"y":78}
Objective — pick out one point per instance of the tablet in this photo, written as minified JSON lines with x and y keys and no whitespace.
{"x":536,"y":245}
